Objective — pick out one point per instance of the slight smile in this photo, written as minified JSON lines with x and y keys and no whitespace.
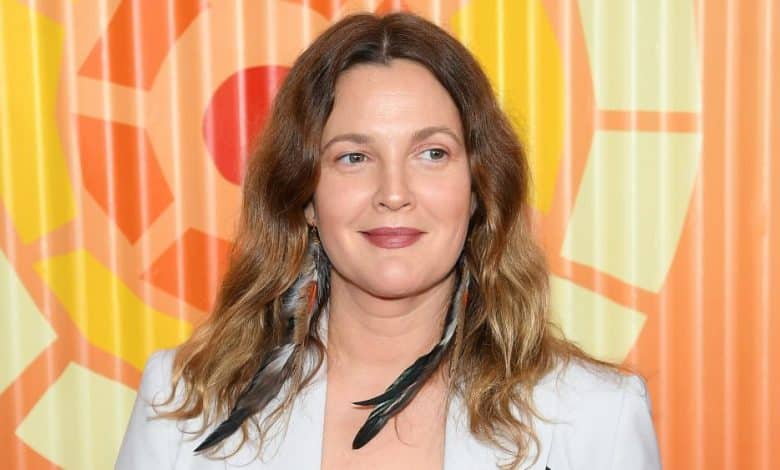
{"x":392,"y":237}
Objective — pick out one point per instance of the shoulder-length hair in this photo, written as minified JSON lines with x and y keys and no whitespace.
{"x":504,"y":344}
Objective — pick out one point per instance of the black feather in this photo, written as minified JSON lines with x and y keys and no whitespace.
{"x":405,"y":387}
{"x":275,"y":370}
{"x":407,"y":377}
{"x":225,"y":429}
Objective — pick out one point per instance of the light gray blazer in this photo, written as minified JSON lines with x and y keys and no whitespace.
{"x":602,"y":424}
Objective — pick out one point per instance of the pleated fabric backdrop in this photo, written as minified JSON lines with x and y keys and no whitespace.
{"x":653,"y":128}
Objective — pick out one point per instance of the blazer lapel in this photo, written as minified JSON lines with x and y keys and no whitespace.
{"x":461,"y":450}
{"x":302,"y":444}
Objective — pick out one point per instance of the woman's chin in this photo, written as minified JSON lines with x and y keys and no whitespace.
{"x":391,"y":281}
{"x":392,"y":288}
{"x":395,"y":295}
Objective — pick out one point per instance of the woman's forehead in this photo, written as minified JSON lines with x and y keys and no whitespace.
{"x":402,"y":97}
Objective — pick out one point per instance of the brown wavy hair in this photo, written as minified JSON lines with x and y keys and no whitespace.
{"x":504,"y":344}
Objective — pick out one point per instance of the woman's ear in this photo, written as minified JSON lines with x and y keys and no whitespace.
{"x":311,"y":216}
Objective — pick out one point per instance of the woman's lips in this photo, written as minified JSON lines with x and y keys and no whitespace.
{"x":392,"y":237}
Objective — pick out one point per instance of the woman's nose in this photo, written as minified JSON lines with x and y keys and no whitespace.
{"x":393,"y":190}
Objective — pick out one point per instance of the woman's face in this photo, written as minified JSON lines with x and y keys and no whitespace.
{"x":392,"y":155}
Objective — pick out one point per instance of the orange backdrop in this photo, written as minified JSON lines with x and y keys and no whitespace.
{"x":653,"y":129}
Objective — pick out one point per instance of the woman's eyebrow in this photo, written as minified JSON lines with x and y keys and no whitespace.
{"x":350,"y":137}
{"x":418,"y":135}
{"x":426,"y":132}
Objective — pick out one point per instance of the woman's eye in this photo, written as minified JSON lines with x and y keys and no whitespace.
{"x":347,"y":157}
{"x":436,"y":154}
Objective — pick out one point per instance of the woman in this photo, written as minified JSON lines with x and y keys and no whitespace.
{"x":384,"y":270}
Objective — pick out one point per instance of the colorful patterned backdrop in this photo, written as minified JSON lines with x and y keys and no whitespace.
{"x":653,"y":128}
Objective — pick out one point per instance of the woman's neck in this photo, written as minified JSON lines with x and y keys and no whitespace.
{"x":372,"y":339}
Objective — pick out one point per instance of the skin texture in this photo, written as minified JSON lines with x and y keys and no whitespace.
{"x":387,"y":305}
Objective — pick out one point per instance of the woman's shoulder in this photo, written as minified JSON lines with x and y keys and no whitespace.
{"x":156,"y":383}
{"x":601,"y":416}
{"x":577,"y":389}
{"x":577,"y":378}
{"x":150,"y":442}
{"x":157,"y":386}
{"x":158,"y":368}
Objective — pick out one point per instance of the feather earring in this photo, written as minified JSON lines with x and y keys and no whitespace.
{"x":405,"y":387}
{"x":301,"y":305}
